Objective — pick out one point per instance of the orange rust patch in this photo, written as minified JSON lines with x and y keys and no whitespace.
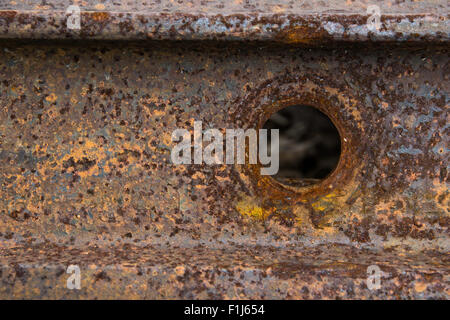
{"x":100,"y":16}
{"x":302,"y":34}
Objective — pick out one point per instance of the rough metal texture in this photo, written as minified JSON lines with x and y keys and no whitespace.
{"x":86,"y":177}
{"x":282,"y":21}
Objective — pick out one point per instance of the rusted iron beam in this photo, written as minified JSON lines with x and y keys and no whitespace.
{"x":85,"y":140}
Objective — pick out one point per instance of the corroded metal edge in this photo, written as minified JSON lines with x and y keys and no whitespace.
{"x":228,"y":272}
{"x":181,"y":26}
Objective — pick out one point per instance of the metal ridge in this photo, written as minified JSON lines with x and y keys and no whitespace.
{"x":208,"y":20}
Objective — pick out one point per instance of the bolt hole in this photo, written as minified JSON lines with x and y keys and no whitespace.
{"x":310,"y":145}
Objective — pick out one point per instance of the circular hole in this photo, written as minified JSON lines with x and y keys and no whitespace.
{"x":309,"y":146}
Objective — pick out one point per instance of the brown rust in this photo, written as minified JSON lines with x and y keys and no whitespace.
{"x":86,"y":176}
{"x":86,"y":148}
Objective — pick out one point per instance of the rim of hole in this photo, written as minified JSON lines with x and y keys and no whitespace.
{"x":325,"y":183}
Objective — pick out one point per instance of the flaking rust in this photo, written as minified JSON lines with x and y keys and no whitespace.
{"x":87,"y":178}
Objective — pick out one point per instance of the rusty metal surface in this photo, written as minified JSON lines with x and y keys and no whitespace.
{"x":221,"y":272}
{"x":312,"y":21}
{"x":86,"y":176}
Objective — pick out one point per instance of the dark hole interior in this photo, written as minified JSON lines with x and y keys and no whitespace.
{"x":310,"y":145}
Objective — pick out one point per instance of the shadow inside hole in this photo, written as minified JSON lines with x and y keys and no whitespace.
{"x":310,"y":145}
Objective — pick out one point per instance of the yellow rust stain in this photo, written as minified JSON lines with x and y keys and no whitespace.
{"x":247,"y":207}
{"x":323,"y":203}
